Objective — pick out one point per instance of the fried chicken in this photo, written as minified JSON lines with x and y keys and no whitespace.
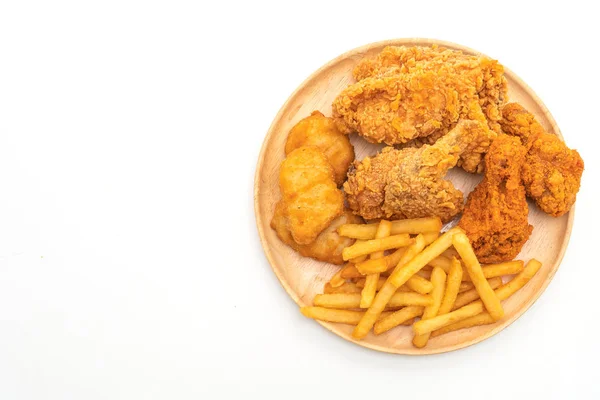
{"x":483,"y":74}
{"x":552,"y":172}
{"x":327,"y":246}
{"x":310,"y":195}
{"x":320,"y":131}
{"x":495,"y":216}
{"x":409,"y":183}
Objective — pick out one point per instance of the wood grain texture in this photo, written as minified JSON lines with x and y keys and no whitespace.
{"x":302,"y":278}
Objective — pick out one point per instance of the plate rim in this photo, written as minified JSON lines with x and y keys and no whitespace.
{"x":265,"y":246}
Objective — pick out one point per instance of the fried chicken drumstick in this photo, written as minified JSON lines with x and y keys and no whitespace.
{"x":409,"y":183}
{"x":552,"y":172}
{"x":495,"y":216}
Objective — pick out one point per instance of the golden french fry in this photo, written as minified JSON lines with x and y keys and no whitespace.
{"x":476,"y":320}
{"x":359,"y":259}
{"x":337,"y":280}
{"x":464,"y":286}
{"x":430,"y":237}
{"x":411,"y":226}
{"x":451,"y":252}
{"x":419,"y":284}
{"x":380,"y":264}
{"x":352,"y":300}
{"x":471,"y":295}
{"x":409,"y":265}
{"x":438,"y":279}
{"x":452,"y":285}
{"x":375,"y":245}
{"x":397,"y":318}
{"x":350,"y":271}
{"x":347,"y":287}
{"x":494,"y":270}
{"x":368,"y":292}
{"x":340,"y":316}
{"x":486,"y":293}
{"x":442,"y":262}
{"x":502,"y":293}
{"x":425,"y":274}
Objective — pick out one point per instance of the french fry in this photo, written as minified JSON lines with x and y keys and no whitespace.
{"x":501,"y":269}
{"x":375,"y":245}
{"x":411,"y":226}
{"x":442,"y":262}
{"x":347,"y":287}
{"x":352,"y":300}
{"x":477,"y":307}
{"x":430,"y":237}
{"x":452,"y":285}
{"x":486,"y":293}
{"x":359,"y":259}
{"x":350,"y":271}
{"x":438,"y":279}
{"x":471,"y":295}
{"x":415,"y":258}
{"x":337,"y":280}
{"x":451,"y":252}
{"x":464,"y":286}
{"x":424,"y":274}
{"x":340,"y":316}
{"x":368,"y":292}
{"x":419,"y":284}
{"x":397,"y":318}
{"x":476,"y":320}
{"x":380,"y":264}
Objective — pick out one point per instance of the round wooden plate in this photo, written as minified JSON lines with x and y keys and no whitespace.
{"x":303,"y":277}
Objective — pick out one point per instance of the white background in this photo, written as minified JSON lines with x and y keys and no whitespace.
{"x":130,"y":266}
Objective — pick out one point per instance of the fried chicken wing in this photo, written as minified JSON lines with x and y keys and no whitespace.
{"x":495,"y":216}
{"x":485,"y":75}
{"x":327,"y":246}
{"x":310,"y":195}
{"x":552,"y":172}
{"x":409,"y":183}
{"x":320,"y":131}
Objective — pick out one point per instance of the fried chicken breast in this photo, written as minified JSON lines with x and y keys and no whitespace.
{"x":319,"y":131}
{"x":552,"y":172}
{"x":409,"y":183}
{"x":495,"y":216}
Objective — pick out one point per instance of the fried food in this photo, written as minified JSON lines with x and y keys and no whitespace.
{"x":495,"y":216}
{"x":412,"y":226}
{"x":438,"y":278}
{"x":320,"y":131}
{"x":485,"y":75}
{"x":409,"y":183}
{"x":310,"y":196}
{"x":326,"y":247}
{"x":375,"y":245}
{"x":551,"y":172}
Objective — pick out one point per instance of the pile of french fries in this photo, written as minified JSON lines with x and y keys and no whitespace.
{"x":407,"y":272}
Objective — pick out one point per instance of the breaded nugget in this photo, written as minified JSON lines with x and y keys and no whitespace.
{"x":311,"y":197}
{"x":320,"y":131}
{"x":327,"y":246}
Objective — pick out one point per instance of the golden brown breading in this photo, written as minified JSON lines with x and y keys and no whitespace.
{"x":310,"y":195}
{"x":398,"y":108}
{"x":482,"y":73}
{"x":327,"y":246}
{"x":409,"y":183}
{"x":495,"y":216}
{"x":320,"y":131}
{"x":552,"y":172}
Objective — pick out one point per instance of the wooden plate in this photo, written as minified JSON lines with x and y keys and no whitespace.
{"x":302,"y":277}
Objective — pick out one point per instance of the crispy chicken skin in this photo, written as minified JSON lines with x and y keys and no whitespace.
{"x":319,"y":131}
{"x":310,"y":195}
{"x":409,"y":183}
{"x":495,"y":216}
{"x":483,"y":74}
{"x":327,"y":246}
{"x":552,"y":172}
